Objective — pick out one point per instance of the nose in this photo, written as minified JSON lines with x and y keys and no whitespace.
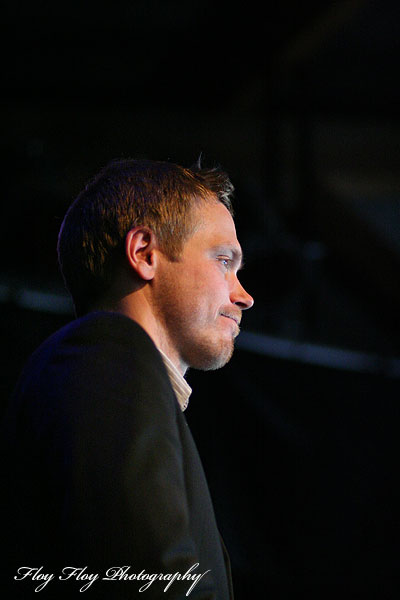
{"x":240,"y":297}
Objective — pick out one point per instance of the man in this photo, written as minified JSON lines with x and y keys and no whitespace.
{"x":106,"y":486}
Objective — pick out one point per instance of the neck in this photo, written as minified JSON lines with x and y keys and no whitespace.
{"x":138,"y":307}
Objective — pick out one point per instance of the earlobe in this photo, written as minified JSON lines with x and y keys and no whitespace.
{"x":140,"y":246}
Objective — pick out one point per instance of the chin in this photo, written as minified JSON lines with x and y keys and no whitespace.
{"x":210,"y":357}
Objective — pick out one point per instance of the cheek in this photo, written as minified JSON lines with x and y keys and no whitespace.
{"x":200,"y":291}
{"x":212,"y":296}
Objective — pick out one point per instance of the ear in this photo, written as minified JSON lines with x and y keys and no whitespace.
{"x":140,"y":246}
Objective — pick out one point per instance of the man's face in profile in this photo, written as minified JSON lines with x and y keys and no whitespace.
{"x":200,"y":300}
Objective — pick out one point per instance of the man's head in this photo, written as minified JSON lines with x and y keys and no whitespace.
{"x":157,"y":241}
{"x":125,"y":194}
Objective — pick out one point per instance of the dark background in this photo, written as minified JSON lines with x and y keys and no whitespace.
{"x":299,"y":102}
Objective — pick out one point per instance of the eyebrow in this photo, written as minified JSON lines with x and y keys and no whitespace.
{"x":237,"y":255}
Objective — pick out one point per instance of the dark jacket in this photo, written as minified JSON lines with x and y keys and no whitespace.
{"x":102,"y":471}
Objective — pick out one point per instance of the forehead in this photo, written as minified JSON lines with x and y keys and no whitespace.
{"x":214,"y":219}
{"x":215,"y":228}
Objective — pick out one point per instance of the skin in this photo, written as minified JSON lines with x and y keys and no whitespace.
{"x":191,"y":307}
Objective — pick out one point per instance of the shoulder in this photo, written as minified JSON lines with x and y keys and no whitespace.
{"x":101,"y":351}
{"x":98,"y":332}
{"x":101,"y":327}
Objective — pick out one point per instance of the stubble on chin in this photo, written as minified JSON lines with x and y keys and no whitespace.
{"x":209,"y":356}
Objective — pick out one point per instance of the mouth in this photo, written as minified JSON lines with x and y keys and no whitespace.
{"x":232,"y":317}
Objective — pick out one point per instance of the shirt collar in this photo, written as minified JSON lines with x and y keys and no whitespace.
{"x":179,"y":384}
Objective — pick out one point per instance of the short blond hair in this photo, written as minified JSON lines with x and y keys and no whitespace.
{"x":126,"y":194}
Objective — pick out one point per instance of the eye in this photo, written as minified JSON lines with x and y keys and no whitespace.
{"x":225,"y":261}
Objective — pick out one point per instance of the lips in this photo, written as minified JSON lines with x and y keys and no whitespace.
{"x":232,"y":316}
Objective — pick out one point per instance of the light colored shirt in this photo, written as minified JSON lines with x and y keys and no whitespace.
{"x":179,"y":384}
